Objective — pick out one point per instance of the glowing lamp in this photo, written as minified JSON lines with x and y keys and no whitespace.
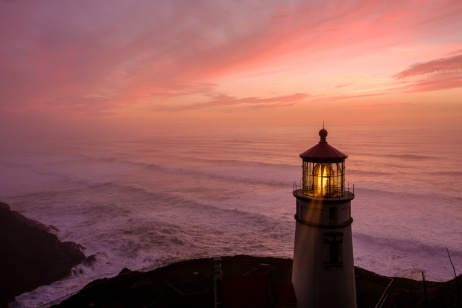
{"x":323,"y":170}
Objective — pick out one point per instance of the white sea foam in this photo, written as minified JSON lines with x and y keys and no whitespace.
{"x":146,"y":202}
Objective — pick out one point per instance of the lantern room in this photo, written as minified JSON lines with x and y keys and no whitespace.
{"x":323,"y":170}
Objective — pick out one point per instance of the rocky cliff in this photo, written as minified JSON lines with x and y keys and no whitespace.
{"x":31,"y":256}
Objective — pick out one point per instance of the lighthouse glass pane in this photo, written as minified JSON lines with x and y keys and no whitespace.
{"x":308,"y":178}
{"x":324,"y":179}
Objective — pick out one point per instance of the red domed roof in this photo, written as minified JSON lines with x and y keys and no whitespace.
{"x":323,"y":152}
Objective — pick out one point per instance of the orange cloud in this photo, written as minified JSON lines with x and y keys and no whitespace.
{"x":381,"y":106}
{"x":344,"y":97}
{"x":343,"y":85}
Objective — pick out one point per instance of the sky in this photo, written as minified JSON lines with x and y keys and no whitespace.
{"x":128,"y":65}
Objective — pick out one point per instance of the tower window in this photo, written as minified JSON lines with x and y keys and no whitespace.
{"x":333,"y":248}
{"x":332,"y":214}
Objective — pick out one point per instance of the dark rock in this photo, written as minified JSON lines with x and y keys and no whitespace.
{"x":4,"y":206}
{"x":30,"y":255}
{"x":124,"y":271}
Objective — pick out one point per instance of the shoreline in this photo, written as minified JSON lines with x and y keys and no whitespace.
{"x":32,"y":255}
{"x":195,"y":281}
{"x":367,"y":277}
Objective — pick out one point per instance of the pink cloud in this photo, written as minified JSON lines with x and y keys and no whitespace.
{"x":343,"y":85}
{"x":221,"y":100}
{"x":439,"y":66}
{"x":434,"y":83}
{"x":440,"y":74}
{"x":95,"y":57}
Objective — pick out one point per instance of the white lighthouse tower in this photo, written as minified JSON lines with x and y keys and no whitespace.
{"x":323,"y":270}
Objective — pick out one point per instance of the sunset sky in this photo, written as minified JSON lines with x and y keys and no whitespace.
{"x":69,"y":65}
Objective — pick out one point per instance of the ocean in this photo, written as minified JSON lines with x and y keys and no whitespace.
{"x":161,"y":196}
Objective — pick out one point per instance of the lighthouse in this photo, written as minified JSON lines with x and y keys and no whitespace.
{"x":323,"y":269}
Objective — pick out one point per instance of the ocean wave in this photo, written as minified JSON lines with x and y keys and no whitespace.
{"x":398,"y":193}
{"x":358,"y":172}
{"x":248,"y":163}
{"x":103,"y":174}
{"x":251,"y":172}
{"x":413,"y":157}
{"x":131,"y":210}
{"x":442,"y":172}
{"x":393,"y":157}
{"x":405,"y":257}
{"x":213,"y":162}
{"x":408,"y":246}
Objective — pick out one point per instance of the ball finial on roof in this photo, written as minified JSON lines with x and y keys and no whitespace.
{"x":323,"y":135}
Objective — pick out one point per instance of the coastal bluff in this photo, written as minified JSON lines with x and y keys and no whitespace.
{"x":248,"y":282}
{"x":31,"y":256}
